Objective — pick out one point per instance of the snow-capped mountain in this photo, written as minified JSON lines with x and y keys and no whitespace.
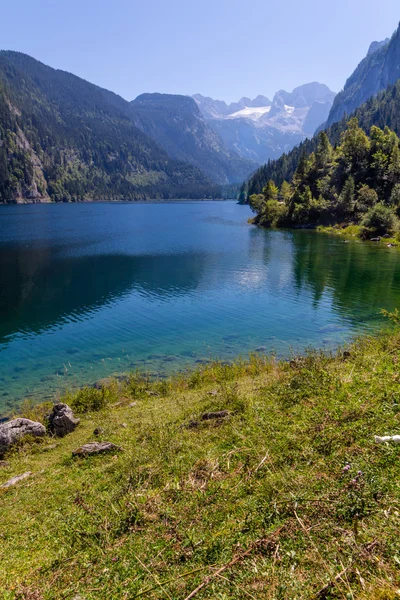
{"x":260,"y":129}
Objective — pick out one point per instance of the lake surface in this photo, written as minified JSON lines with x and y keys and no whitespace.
{"x":88,"y":290}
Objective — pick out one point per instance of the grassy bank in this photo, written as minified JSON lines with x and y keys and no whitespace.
{"x":355,"y":231}
{"x":259,"y":504}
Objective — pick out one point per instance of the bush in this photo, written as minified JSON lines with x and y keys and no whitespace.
{"x":366,"y":199}
{"x":395,"y":198}
{"x":89,"y":399}
{"x":379,"y":220}
{"x":273,"y":214}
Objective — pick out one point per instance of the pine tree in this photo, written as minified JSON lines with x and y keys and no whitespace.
{"x":323,"y":153}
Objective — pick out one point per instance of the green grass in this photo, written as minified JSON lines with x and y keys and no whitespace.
{"x":264,"y":489}
{"x":351,"y":231}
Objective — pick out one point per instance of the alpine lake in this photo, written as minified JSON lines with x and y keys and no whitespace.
{"x":96,"y":289}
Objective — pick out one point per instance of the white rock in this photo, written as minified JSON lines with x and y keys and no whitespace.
{"x":16,"y":479}
{"x":387,"y":438}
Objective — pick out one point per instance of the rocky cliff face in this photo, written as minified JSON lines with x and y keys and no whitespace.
{"x":379,"y":69}
{"x":177,"y":125}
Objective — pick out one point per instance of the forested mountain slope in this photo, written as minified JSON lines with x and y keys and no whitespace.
{"x":63,"y":139}
{"x":382,"y":110}
{"x":177,"y":125}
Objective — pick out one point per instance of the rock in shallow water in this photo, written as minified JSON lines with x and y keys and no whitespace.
{"x":13,"y":431}
{"x":62,"y":420}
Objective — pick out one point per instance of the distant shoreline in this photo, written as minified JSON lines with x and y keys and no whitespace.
{"x":152,"y":201}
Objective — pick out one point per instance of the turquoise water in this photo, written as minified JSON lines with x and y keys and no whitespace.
{"x":89,"y":290}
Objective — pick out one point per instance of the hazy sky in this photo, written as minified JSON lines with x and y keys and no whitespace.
{"x":222,"y":48}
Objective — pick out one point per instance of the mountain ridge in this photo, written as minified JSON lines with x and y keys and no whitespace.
{"x":379,"y":69}
{"x":63,"y":138}
{"x":260,"y":133}
{"x":177,"y":125}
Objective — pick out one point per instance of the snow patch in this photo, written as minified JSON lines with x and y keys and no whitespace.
{"x":250,"y":112}
{"x":289,"y":109}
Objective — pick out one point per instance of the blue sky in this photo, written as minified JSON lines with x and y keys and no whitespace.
{"x":222,"y":48}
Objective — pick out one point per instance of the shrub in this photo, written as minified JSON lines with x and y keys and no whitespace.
{"x":366,"y":199}
{"x":89,"y":399}
{"x":273,"y":214}
{"x":379,"y":220}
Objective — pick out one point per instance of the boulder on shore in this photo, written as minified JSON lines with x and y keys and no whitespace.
{"x":13,"y":431}
{"x":62,"y":420}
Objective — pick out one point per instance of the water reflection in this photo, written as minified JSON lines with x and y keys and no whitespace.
{"x":360,"y":278}
{"x":41,"y":288}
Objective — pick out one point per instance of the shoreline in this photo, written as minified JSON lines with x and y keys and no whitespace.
{"x":150,"y":201}
{"x":349,"y":232}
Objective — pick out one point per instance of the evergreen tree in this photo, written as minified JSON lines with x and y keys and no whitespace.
{"x":323,"y":153}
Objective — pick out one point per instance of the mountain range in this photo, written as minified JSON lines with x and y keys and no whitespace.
{"x":262,"y":129}
{"x":176,"y":124}
{"x":65,"y":139}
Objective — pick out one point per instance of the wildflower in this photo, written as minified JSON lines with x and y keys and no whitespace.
{"x":346,"y":468}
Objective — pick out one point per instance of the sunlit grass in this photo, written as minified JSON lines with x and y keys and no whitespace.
{"x":266,"y":487}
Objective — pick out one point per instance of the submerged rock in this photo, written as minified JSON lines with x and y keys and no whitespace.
{"x":96,"y":448}
{"x":62,"y":420}
{"x":13,"y":431}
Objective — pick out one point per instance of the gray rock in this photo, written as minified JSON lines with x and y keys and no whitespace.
{"x":96,"y":448}
{"x":12,"y":431}
{"x":221,"y":414}
{"x":62,"y":420}
{"x":16,"y":479}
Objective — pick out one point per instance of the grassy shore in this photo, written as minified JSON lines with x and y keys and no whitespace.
{"x":288,"y":497}
{"x":355,"y":231}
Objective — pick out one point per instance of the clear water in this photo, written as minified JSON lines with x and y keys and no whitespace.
{"x":89,"y":290}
